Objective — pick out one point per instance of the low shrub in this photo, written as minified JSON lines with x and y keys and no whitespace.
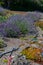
{"x":3,"y":19}
{"x":18,"y":25}
{"x":22,"y":26}
{"x":15,"y":29}
{"x":2,"y":44}
{"x":11,"y":33}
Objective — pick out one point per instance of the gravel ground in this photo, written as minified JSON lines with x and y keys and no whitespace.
{"x":14,"y":42}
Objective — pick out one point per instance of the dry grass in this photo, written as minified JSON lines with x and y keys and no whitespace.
{"x":15,"y":12}
{"x":40,"y":24}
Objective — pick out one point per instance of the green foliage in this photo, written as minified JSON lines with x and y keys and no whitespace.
{"x":1,"y":43}
{"x":18,"y":30}
{"x":11,"y":33}
{"x":3,"y":18}
{"x":23,"y":4}
{"x":5,"y":61}
{"x":1,"y":3}
{"x":22,"y":26}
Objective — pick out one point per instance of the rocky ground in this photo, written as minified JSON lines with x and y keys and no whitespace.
{"x":23,"y":43}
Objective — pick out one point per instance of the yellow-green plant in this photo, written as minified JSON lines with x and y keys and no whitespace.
{"x":1,"y":43}
{"x":31,"y":53}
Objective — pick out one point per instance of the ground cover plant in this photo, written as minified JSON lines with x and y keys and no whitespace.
{"x":40,"y":24}
{"x":2,"y":44}
{"x":3,"y":19}
{"x":4,"y":14}
{"x":33,"y":54}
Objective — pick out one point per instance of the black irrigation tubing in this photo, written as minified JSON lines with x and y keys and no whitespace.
{"x":9,"y":52}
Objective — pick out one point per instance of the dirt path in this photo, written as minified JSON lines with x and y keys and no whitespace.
{"x":16,"y":12}
{"x":15,"y":43}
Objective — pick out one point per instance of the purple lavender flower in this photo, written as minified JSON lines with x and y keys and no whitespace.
{"x":19,"y":24}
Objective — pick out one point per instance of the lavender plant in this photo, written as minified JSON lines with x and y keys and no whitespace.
{"x":17,"y":25}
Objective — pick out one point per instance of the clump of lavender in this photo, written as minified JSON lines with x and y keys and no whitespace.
{"x":16,"y":28}
{"x":33,"y":15}
{"x":18,"y":25}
